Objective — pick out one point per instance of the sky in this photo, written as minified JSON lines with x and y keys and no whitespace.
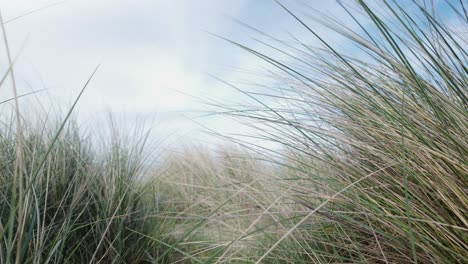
{"x":156,"y":57}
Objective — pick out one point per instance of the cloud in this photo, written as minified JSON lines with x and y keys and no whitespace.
{"x":130,"y":39}
{"x":149,"y":51}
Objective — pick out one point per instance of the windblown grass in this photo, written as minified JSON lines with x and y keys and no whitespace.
{"x":83,"y":202}
{"x":233,"y":191}
{"x":377,"y":135}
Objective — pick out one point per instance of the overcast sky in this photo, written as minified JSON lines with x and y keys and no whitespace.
{"x":154,"y":54}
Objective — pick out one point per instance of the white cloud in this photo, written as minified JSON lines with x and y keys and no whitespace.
{"x":164,"y":83}
{"x":149,"y":50}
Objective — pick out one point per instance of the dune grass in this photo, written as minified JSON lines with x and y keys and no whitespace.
{"x":372,"y":166}
{"x":377,"y":134}
{"x":81,"y":203}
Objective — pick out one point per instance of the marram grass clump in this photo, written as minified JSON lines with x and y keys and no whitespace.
{"x":81,"y":201}
{"x":377,"y":134}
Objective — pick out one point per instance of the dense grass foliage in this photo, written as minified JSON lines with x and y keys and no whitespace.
{"x":238,"y":195}
{"x":379,"y":132}
{"x":79,"y":203}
